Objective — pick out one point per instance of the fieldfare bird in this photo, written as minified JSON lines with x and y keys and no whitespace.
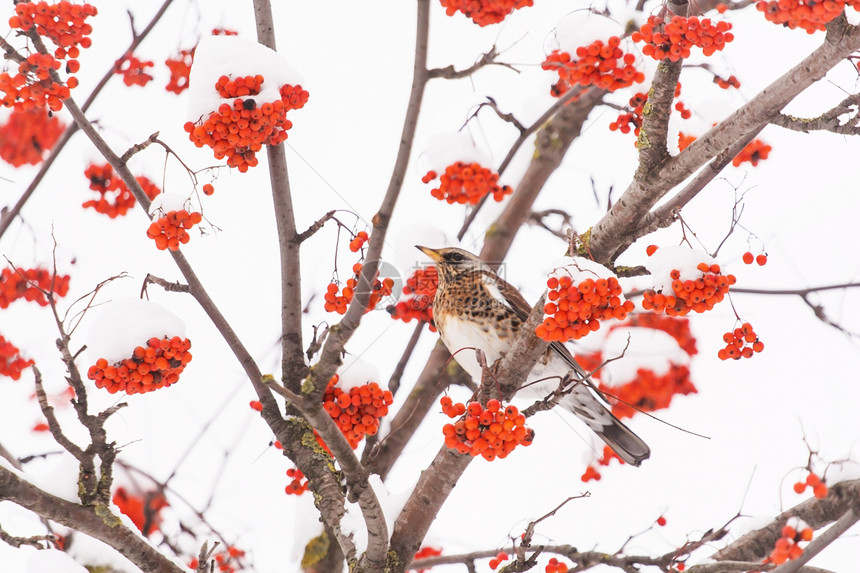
{"x":475,"y":308}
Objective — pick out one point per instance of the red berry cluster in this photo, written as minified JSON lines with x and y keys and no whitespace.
{"x":11,"y":363}
{"x":699,"y":294}
{"x":240,"y":130}
{"x":155,"y":366}
{"x":748,"y":258}
{"x":726,"y":83}
{"x":133,"y":70}
{"x":556,"y":566}
{"x":592,"y":473}
{"x":33,"y":87}
{"x":787,"y":547}
{"x":64,"y":23}
{"x":484,"y":12}
{"x":180,"y":68}
{"x":29,"y":284}
{"x":490,"y":432}
{"x":574,"y":311}
{"x":604,"y":65}
{"x":171,"y":229}
{"x":683,"y":110}
{"x":676,"y":327}
{"x":358,"y":411}
{"x":358,"y":241}
{"x":335,"y":302}
{"x":467,"y":183}
{"x":115,"y":197}
{"x":500,"y":558}
{"x":420,"y":290}
{"x":649,"y":392}
{"x":742,"y":342}
{"x":809,"y":15}
{"x":143,"y":510}
{"x":755,"y":151}
{"x":228,"y":561}
{"x":296,"y":486}
{"x":819,"y":488}
{"x":27,"y":135}
{"x":624,"y":120}
{"x":673,"y":39}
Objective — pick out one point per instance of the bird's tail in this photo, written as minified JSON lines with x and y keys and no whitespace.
{"x":629,"y":447}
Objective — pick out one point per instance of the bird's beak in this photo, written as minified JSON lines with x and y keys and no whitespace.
{"x":433,"y":254}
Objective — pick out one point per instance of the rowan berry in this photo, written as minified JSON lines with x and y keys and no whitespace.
{"x":726,"y":83}
{"x":156,"y":365}
{"x":684,"y":141}
{"x":603,"y":64}
{"x":358,"y":241}
{"x":180,"y":69}
{"x":649,"y":391}
{"x":590,"y":474}
{"x":208,"y":189}
{"x":484,"y":12}
{"x":338,"y":303}
{"x":133,"y":70}
{"x":761,"y":260}
{"x":31,"y":285}
{"x":556,"y":566}
{"x":240,"y":127}
{"x":115,"y":198}
{"x":673,"y":39}
{"x":633,"y":118}
{"x":296,"y":485}
{"x":787,"y":547}
{"x":256,"y":405}
{"x":748,"y":258}
{"x":143,"y":509}
{"x":500,"y":558}
{"x":11,"y":362}
{"x":467,"y":183}
{"x":356,"y":411}
{"x":755,"y":151}
{"x":425,"y":552}
{"x":575,"y":311}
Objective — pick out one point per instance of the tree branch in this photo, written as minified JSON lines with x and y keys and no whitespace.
{"x":616,"y":230}
{"x":828,"y":121}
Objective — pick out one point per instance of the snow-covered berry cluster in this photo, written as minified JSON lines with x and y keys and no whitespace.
{"x":581,"y":294}
{"x":484,"y":12}
{"x":602,"y":64}
{"x":156,"y":365}
{"x":238,"y":130}
{"x":690,"y":286}
{"x":467,"y":183}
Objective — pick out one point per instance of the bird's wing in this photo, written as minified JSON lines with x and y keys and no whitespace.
{"x":522,"y":308}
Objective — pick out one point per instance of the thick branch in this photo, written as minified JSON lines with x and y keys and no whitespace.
{"x":756,"y":545}
{"x":828,"y":121}
{"x":616,"y":231}
{"x":97,"y":522}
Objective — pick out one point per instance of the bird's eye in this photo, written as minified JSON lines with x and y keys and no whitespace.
{"x":457,"y":257}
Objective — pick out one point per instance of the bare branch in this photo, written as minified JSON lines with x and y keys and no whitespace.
{"x":138,"y":147}
{"x":450,"y":73}
{"x":828,"y":121}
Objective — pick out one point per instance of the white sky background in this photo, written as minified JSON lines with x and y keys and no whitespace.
{"x":356,"y":58}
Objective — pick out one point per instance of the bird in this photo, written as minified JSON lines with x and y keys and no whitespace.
{"x":474,"y":308}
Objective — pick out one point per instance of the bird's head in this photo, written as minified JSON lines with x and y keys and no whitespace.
{"x":451,"y":261}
